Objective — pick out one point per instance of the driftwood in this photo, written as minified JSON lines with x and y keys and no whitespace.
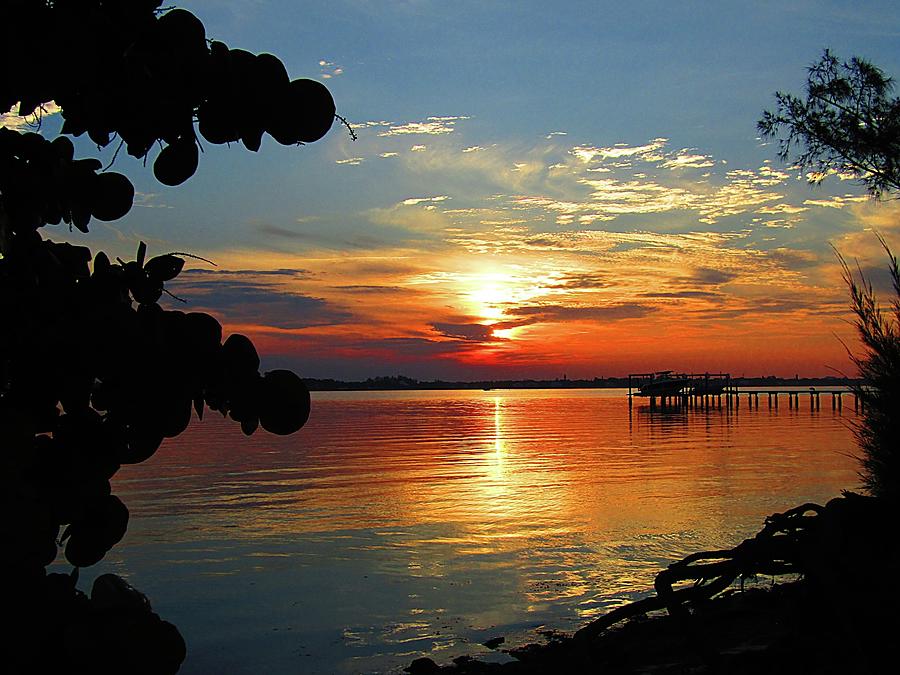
{"x":782,"y":547}
{"x":837,"y":618}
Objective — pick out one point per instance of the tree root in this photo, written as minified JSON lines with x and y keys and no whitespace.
{"x":782,"y":547}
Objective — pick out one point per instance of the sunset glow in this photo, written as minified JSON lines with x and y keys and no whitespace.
{"x":426,"y":336}
{"x":598,"y":221}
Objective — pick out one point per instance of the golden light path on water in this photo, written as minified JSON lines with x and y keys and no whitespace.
{"x":397,"y":524}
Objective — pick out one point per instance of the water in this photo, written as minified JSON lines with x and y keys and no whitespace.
{"x":397,"y":524}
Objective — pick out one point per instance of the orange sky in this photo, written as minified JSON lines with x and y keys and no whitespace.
{"x":701,"y":301}
{"x":525,"y":198}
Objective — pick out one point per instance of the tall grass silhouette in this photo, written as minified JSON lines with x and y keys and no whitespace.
{"x":878,"y":427}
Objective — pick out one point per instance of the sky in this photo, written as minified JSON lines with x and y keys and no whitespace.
{"x":535,"y":192}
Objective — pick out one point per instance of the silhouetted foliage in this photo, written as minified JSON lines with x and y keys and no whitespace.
{"x":94,"y":373}
{"x":878,"y":429}
{"x":847,"y":123}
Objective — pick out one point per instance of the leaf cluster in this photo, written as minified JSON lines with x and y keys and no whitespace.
{"x":41,"y":183}
{"x":138,"y":372}
{"x":846,"y":123}
{"x":127,"y":70}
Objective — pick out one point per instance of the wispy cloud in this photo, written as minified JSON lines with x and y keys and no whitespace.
{"x":474,"y":332}
{"x":330,"y":69}
{"x":837,"y":202}
{"x":497,"y":250}
{"x":412,"y":201}
{"x":648,"y":151}
{"x":149,"y":200}
{"x":257,"y":298}
{"x":564,"y":313}
{"x":684,"y":159}
{"x":432,"y":126}
{"x":782,"y":208}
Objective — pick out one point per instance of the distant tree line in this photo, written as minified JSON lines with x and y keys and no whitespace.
{"x":400,"y":382}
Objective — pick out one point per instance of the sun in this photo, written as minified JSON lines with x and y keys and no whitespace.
{"x":491,"y":295}
{"x":488,"y":294}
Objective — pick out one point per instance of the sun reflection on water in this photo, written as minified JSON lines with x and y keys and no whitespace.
{"x":429,"y":520}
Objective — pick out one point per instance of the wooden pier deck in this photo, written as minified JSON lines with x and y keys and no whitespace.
{"x":732,"y":399}
{"x":707,"y":391}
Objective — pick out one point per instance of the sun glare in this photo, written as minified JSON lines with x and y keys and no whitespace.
{"x":488,"y":295}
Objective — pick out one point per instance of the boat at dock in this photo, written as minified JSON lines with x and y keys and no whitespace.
{"x":668,"y":384}
{"x":663,"y":383}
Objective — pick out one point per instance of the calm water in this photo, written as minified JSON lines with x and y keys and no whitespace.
{"x":397,"y":524}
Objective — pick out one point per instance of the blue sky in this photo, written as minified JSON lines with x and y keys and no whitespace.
{"x":533,"y":189}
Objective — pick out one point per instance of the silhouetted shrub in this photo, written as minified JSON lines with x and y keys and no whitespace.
{"x":878,"y":429}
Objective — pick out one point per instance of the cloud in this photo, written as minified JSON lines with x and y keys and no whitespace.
{"x":371,"y":124}
{"x":778,"y":306}
{"x":880,"y":278}
{"x":283,"y":272}
{"x":280,"y":231}
{"x":372,"y":289}
{"x":352,"y":161}
{"x":323,"y":237}
{"x":570,"y":238}
{"x":611,"y":197}
{"x":681,"y":294}
{"x":433,"y":126}
{"x":474,"y":332}
{"x":561,"y":313}
{"x":419,"y":223}
{"x":585,"y":185}
{"x":248,"y":297}
{"x":685,"y":160}
{"x":588,"y":153}
{"x":13,"y":120}
{"x":149,"y":200}
{"x":711,"y":276}
{"x":782,"y":208}
{"x":330,"y":69}
{"x":837,"y":202}
{"x":419,"y":200}
{"x":793,"y":258}
{"x":409,"y":348}
{"x":581,"y":280}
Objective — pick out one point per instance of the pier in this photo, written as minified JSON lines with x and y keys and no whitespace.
{"x":708,"y":391}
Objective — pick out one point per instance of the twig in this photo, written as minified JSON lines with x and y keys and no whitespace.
{"x":353,"y":135}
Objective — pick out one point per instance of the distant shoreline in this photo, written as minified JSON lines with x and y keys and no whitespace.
{"x":401,"y":383}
